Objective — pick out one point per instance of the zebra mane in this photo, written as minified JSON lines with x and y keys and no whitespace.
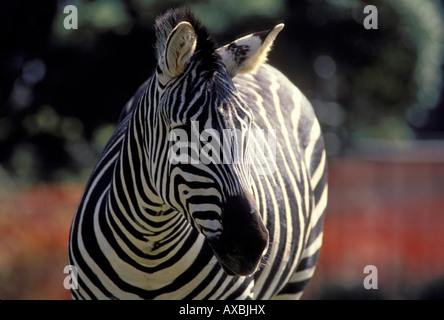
{"x":205,"y":48}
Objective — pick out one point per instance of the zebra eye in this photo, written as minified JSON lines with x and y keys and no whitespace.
{"x":180,"y":125}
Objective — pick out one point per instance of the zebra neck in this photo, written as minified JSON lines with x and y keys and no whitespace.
{"x":150,"y":228}
{"x":132,"y":197}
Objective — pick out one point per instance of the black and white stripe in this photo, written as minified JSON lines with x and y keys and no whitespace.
{"x":145,"y":228}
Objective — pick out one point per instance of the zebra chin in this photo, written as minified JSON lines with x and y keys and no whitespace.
{"x":233,"y":262}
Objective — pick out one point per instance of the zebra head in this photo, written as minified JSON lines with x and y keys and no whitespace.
{"x":203,"y":170}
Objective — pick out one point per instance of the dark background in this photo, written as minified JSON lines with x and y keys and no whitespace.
{"x":377,"y":93}
{"x":61,"y":90}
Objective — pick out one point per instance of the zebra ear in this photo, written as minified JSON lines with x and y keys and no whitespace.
{"x":247,"y":53}
{"x":179,"y":48}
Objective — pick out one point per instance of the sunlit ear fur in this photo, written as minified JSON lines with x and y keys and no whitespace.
{"x":247,"y":53}
{"x":179,"y":48}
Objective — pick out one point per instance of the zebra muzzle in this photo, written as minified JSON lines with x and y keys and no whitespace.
{"x":243,"y":241}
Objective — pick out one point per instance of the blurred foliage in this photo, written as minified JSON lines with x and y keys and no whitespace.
{"x":61,"y":91}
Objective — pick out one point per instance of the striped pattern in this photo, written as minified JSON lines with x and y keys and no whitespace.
{"x":293,"y":199}
{"x":142,"y":226}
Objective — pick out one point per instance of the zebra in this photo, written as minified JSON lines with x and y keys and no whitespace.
{"x":147,"y":227}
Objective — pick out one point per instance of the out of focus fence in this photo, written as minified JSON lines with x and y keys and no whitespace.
{"x":386,"y":208}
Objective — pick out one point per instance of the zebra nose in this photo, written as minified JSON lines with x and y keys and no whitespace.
{"x":244,"y":239}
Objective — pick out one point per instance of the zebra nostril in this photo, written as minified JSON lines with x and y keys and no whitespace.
{"x":234,"y":251}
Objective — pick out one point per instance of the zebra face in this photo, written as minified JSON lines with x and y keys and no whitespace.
{"x":199,"y":110}
{"x":214,"y":195}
